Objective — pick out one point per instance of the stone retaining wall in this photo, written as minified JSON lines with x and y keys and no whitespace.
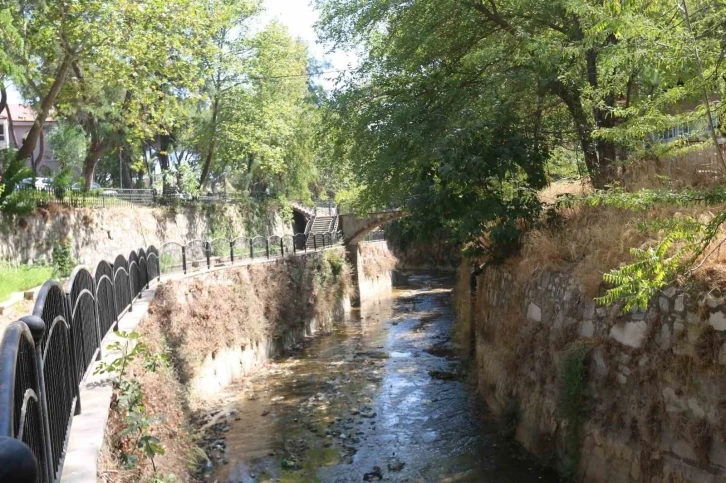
{"x":97,"y":234}
{"x":653,"y":407}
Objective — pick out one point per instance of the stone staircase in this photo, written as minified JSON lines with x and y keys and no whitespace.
{"x":321,"y":224}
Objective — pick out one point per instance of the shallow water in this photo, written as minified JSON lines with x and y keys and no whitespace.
{"x":381,"y":398}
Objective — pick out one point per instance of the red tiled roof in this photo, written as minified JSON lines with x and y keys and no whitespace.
{"x":22,"y":113}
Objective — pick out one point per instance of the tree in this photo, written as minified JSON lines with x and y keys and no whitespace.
{"x":257,"y":133}
{"x":596,"y":58}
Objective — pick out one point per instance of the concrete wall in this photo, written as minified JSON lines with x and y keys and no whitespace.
{"x":653,"y":408}
{"x":97,"y":234}
{"x":373,"y":265}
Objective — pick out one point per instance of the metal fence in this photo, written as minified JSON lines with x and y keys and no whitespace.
{"x":200,"y":254}
{"x":44,"y":357}
{"x":377,"y":235}
{"x":110,"y":197}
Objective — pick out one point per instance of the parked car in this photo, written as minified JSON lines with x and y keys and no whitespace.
{"x":39,"y":183}
{"x":80,"y":186}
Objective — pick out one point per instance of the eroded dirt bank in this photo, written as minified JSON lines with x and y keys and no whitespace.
{"x":381,"y":398}
{"x":214,"y":329}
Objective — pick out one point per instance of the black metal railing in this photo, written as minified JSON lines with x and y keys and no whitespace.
{"x":201,"y":254}
{"x":44,"y":357}
{"x":378,"y":235}
{"x":110,"y":197}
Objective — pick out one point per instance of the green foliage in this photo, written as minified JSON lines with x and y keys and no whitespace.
{"x":682,"y":240}
{"x":13,"y":201}
{"x":63,"y":262}
{"x":573,"y":392}
{"x":130,"y":397}
{"x":647,"y":198}
{"x":63,"y":179}
{"x":654,"y":268}
{"x":335,"y":261}
{"x":69,"y":144}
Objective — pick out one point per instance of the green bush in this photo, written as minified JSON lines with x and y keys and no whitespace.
{"x":63,"y":262}
{"x":14,"y":171}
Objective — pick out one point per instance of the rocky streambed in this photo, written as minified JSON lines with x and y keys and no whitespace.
{"x":382,"y":398}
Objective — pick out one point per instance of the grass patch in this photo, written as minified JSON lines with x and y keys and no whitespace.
{"x":22,"y":277}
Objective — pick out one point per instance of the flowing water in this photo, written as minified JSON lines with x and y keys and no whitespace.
{"x":381,"y":398}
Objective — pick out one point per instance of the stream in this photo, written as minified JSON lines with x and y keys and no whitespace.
{"x":382,"y":398}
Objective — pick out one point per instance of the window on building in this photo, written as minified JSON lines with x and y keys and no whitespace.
{"x":2,"y":133}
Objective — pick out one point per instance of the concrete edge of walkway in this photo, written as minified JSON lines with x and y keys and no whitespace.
{"x":89,"y":427}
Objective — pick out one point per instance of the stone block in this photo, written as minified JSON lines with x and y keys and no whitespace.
{"x":663,"y":304}
{"x":722,"y":355}
{"x":664,"y":337}
{"x":631,"y":334}
{"x":674,"y":404}
{"x":587,"y":329}
{"x":695,"y":408}
{"x":534,"y":313}
{"x":669,"y":292}
{"x":717,"y":320}
{"x":684,"y":450}
{"x":600,"y":366}
{"x":712,"y":301}
{"x":679,"y":304}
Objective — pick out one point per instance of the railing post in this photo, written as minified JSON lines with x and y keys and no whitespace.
{"x":37,"y":330}
{"x":315,"y":242}
{"x":294,"y":248}
{"x":184,"y":258}
{"x":267,"y":247}
{"x":231,"y":251}
{"x":252,"y":250}
{"x":282,"y":247}
{"x":131,"y":288}
{"x":208,"y":249}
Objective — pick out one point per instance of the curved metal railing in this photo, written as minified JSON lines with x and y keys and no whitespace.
{"x":221,"y":251}
{"x":172,"y":258}
{"x":83,"y":318}
{"x":106,"y":299}
{"x":121,"y":285}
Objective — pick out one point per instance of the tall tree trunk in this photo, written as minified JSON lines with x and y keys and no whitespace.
{"x":164,"y":146}
{"x":95,"y":151}
{"x":26,"y":150}
{"x":41,"y":152}
{"x":3,"y":98}
{"x":212,"y":145}
{"x":125,"y":169}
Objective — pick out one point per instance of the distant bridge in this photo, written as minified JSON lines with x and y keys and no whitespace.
{"x":325,"y":216}
{"x":356,"y":227}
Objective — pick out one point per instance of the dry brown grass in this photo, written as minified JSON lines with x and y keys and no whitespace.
{"x":556,"y":189}
{"x":377,"y":259}
{"x":696,"y":169}
{"x":594,"y":240}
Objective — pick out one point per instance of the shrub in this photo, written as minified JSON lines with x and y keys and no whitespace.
{"x":62,"y":258}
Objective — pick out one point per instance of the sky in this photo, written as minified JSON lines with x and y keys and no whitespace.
{"x":299,"y":17}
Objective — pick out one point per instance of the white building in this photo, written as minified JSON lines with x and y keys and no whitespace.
{"x":23,"y":117}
